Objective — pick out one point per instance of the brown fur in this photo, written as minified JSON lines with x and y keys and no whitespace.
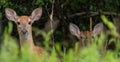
{"x":24,"y":28}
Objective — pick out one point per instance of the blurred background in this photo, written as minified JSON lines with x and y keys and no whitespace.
{"x":61,"y":13}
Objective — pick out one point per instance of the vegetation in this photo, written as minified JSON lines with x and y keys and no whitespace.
{"x":91,"y":53}
{"x":62,"y":47}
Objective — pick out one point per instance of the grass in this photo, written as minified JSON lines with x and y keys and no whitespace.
{"x":95,"y":52}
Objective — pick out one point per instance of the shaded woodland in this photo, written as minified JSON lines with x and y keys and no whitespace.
{"x":61,"y":13}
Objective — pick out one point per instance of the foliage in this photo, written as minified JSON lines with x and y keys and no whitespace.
{"x":91,"y":53}
{"x":63,"y":9}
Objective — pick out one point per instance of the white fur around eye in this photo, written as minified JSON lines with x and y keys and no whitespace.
{"x":18,"y":20}
{"x":29,"y":20}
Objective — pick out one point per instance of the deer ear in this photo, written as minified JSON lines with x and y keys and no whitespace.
{"x":11,"y":14}
{"x":36,"y":14}
{"x":97,"y":29}
{"x":74,"y":30}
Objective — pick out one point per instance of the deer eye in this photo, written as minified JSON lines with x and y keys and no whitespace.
{"x":81,"y":37}
{"x":30,"y":23}
{"x":18,"y":23}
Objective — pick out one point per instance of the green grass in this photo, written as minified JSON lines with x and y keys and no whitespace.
{"x":95,"y":52}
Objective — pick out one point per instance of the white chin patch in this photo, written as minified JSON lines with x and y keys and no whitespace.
{"x":25,"y":36}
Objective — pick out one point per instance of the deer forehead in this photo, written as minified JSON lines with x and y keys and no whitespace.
{"x":24,"y":19}
{"x":84,"y":33}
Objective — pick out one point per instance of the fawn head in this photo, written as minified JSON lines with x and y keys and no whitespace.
{"x":23,"y":22}
{"x":74,"y":30}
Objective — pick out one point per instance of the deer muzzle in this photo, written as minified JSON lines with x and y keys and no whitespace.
{"x":24,"y":31}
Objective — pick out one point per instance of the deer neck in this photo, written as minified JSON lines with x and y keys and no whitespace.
{"x":27,"y":41}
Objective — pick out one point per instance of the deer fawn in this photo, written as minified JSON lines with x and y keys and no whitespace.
{"x":84,"y":36}
{"x":24,"y":27}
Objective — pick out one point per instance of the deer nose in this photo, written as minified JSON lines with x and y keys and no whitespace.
{"x":24,"y":31}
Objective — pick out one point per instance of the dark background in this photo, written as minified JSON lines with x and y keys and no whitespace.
{"x":66,"y":11}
